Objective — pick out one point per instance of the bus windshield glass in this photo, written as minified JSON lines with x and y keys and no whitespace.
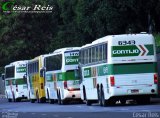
{"x":9,"y":72}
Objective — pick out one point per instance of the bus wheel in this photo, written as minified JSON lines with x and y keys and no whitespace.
{"x":37,"y":96}
{"x":59,"y":98}
{"x":42,"y":100}
{"x":111,"y":101}
{"x":123,"y":101}
{"x":60,"y":101}
{"x":9,"y":100}
{"x":99,"y":97}
{"x":103,"y":97}
{"x":14,"y":100}
{"x":143,"y":100}
{"x":63,"y":102}
{"x":51,"y":101}
{"x":18,"y":100}
{"x":88,"y":102}
{"x":32,"y":101}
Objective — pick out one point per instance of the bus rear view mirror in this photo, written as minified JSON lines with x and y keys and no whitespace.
{"x":3,"y":76}
{"x":24,"y":76}
{"x":42,"y":72}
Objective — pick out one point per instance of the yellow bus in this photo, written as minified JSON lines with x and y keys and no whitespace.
{"x":35,"y":80}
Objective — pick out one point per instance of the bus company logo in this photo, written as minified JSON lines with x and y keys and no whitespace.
{"x":133,"y":50}
{"x":21,"y":69}
{"x":12,"y":7}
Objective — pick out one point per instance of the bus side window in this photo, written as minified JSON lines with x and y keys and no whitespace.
{"x":96,"y":58}
{"x":100,"y":52}
{"x":82,"y":57}
{"x":105,"y":52}
{"x":90,"y":54}
{"x":93,"y":54}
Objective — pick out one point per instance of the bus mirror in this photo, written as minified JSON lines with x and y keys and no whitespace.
{"x":24,"y":76}
{"x":42,"y":70}
{"x":3,"y":76}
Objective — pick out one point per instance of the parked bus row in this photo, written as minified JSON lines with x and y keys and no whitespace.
{"x":112,"y":68}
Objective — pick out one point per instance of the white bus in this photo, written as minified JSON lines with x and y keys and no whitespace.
{"x":119,"y":68}
{"x":61,"y":75}
{"x":15,"y":83}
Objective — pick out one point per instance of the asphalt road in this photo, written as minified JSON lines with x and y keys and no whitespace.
{"x":76,"y":110}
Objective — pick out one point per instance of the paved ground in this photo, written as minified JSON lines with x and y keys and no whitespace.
{"x":75,"y":110}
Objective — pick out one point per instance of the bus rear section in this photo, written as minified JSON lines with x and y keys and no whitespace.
{"x":62,"y":78}
{"x":16,"y":84}
{"x":71,"y":76}
{"x":132,"y":68}
{"x":71,"y":84}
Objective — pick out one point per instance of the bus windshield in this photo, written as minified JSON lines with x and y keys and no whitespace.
{"x":9,"y":72}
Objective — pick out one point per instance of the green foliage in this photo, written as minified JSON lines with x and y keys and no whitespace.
{"x":157,"y":38}
{"x":72,"y":23}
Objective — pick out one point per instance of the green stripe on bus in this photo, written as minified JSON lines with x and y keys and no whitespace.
{"x":115,"y":69}
{"x":150,"y":48}
{"x":132,"y":68}
{"x":64,"y":76}
{"x":18,"y":81}
{"x":21,"y":81}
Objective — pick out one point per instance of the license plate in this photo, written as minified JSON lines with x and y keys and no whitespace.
{"x":135,"y":91}
{"x":76,"y":82}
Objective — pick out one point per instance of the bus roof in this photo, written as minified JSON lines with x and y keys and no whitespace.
{"x":112,"y":37}
{"x":61,"y":50}
{"x":16,"y":62}
{"x":36,"y":58}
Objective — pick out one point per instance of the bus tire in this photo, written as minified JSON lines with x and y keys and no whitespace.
{"x":63,"y":102}
{"x":99,"y":97}
{"x":18,"y":99}
{"x":111,"y":101}
{"x":32,"y":101}
{"x":143,"y":100}
{"x":51,"y":101}
{"x":37,"y":97}
{"x":104,"y":102}
{"x":123,"y":101}
{"x":9,"y":100}
{"x":84,"y":93}
{"x":88,"y":102}
{"x":14,"y":100}
{"x":59,"y":98}
{"x":42,"y":100}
